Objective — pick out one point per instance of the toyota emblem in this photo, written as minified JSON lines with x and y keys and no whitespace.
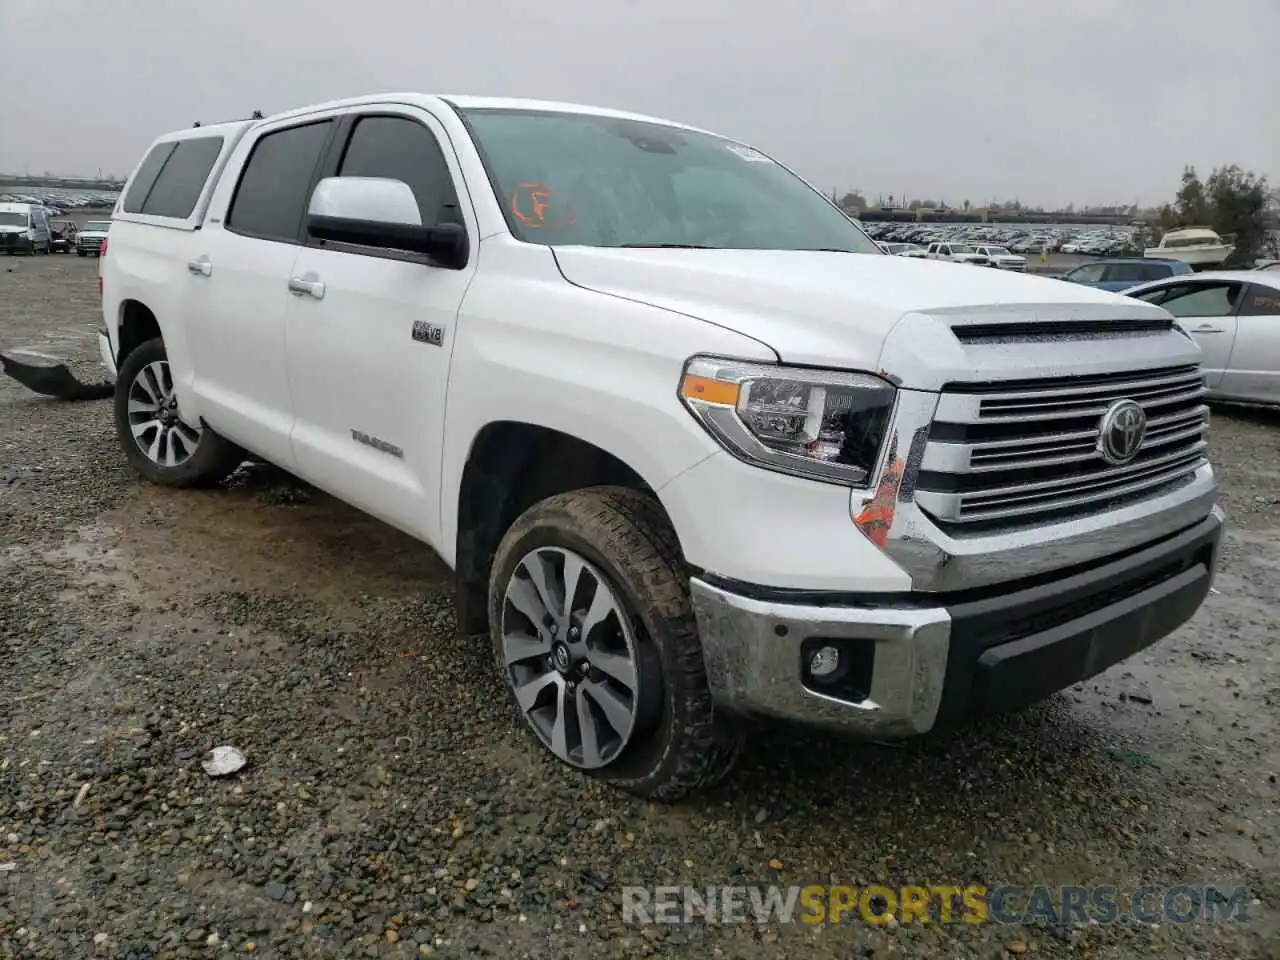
{"x":1121,"y":431}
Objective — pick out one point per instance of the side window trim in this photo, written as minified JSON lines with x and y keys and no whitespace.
{"x":334,"y":156}
{"x":334,"y":121}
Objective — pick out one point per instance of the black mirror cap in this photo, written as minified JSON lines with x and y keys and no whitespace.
{"x":445,"y":243}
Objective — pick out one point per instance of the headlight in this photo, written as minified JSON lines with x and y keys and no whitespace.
{"x":822,"y":424}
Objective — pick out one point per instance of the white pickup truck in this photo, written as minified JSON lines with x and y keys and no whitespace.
{"x":698,"y":452}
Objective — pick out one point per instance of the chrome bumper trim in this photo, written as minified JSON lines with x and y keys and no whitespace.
{"x":751,"y":651}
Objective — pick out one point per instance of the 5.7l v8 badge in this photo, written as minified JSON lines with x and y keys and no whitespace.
{"x":425,"y":332}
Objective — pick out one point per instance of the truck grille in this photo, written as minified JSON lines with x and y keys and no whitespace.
{"x":1021,"y":452}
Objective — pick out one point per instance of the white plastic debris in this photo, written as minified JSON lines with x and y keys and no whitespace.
{"x":221,"y":761}
{"x":6,"y":867}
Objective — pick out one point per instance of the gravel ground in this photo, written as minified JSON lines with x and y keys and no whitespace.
{"x":391,"y":808}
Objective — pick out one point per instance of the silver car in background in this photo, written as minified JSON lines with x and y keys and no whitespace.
{"x":1234,"y":315}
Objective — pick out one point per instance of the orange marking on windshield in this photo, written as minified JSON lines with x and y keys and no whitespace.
{"x":537,"y":195}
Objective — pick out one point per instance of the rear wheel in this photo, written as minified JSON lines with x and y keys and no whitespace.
{"x":157,"y":442}
{"x":594,"y":634}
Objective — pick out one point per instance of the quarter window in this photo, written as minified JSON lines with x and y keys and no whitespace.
{"x":276,"y":184}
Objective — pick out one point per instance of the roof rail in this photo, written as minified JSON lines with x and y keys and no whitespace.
{"x":256,"y":115}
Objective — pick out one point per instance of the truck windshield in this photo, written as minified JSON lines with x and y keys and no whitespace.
{"x":570,"y":178}
{"x":13,"y":219}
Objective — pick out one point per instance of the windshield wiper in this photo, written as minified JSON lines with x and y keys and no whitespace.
{"x":667,"y":246}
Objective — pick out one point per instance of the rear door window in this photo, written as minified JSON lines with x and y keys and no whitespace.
{"x":1127,"y":273}
{"x":276,"y":184}
{"x":182,"y":178}
{"x":1262,"y":301}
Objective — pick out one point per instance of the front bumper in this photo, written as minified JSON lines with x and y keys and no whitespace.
{"x":915,"y":662}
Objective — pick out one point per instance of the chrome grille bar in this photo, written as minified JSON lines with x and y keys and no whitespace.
{"x":1010,"y":452}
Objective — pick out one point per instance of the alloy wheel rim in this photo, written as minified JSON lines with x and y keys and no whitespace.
{"x":570,"y":654}
{"x":153,"y":418}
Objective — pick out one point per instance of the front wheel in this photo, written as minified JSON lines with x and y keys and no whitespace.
{"x":594,"y":634}
{"x":158,"y":444}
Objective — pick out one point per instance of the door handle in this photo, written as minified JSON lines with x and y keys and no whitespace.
{"x":1204,"y":328}
{"x":201,"y":267}
{"x":307,"y":286}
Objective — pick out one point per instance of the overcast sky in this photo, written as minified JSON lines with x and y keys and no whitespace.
{"x":1092,"y":101}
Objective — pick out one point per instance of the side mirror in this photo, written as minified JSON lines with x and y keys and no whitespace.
{"x":381,"y":213}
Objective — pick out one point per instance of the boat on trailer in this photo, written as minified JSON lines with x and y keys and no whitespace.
{"x":1199,"y":247}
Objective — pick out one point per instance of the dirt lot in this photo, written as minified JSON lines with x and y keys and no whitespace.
{"x":391,"y":808}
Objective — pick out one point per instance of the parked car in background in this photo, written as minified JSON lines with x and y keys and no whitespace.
{"x":1001,"y":257}
{"x":957,"y":253}
{"x":24,"y":228}
{"x":1235,"y":318}
{"x":92,"y":237}
{"x":904,"y":249}
{"x":62,"y":235}
{"x":1119,"y":275}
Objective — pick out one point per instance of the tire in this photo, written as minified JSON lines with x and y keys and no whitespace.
{"x":677,"y":742}
{"x":180,"y":456}
{"x":81,"y":253}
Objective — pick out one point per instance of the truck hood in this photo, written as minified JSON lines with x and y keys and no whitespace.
{"x":823,"y":309}
{"x":9,"y":228}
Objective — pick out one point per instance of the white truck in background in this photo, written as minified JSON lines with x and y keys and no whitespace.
{"x":697,"y":450}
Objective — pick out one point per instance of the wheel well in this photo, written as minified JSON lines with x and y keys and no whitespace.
{"x":512,"y":466}
{"x":137,"y":325}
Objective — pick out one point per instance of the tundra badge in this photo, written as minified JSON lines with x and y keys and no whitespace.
{"x":425,"y":332}
{"x":359,"y":436}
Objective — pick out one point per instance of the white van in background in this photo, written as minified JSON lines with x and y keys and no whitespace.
{"x":24,"y":228}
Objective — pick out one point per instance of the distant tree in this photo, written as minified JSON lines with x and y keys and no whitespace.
{"x":853,"y":200}
{"x":1237,"y":204}
{"x":1191,"y":205}
{"x":967,"y":206}
{"x":914,"y":205}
